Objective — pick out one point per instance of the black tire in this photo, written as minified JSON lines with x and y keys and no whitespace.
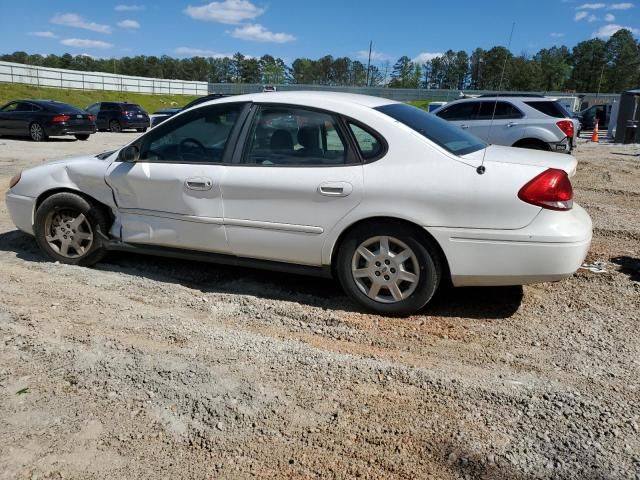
{"x":533,"y":146}
{"x":82,"y":137}
{"x":142,"y":130}
{"x":64,"y":203}
{"x":37,"y":133}
{"x":114,"y":126}
{"x":426,"y":254}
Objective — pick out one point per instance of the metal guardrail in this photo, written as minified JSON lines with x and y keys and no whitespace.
{"x":60,"y":78}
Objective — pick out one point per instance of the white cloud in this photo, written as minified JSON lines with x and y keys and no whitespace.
{"x":608,"y":30}
{"x":592,"y":18}
{"x":591,"y":6}
{"x":377,"y":56}
{"x":82,"y":43}
{"x":609,"y":17}
{"x":75,"y":20}
{"x":128,"y":24}
{"x":424,"y":57}
{"x":620,"y":6}
{"x":201,"y":52}
{"x":128,"y":8}
{"x":557,"y":35}
{"x":257,"y":33}
{"x":230,"y":11}
{"x":580,"y":15}
{"x":43,"y":34}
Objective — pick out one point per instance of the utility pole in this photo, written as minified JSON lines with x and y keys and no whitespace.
{"x":369,"y":62}
{"x":600,"y":82}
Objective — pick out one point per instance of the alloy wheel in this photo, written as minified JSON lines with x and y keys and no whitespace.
{"x":68,"y":233}
{"x":385,"y":269}
{"x":36,"y":131}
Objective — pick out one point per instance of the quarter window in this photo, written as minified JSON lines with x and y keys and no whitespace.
{"x":294,"y":137}
{"x":199,"y":136}
{"x":368,"y":143}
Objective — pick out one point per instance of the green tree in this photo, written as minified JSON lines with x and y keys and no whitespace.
{"x":402,"y":74}
{"x":623,"y":57}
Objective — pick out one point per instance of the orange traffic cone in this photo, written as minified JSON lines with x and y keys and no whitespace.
{"x":594,"y":135}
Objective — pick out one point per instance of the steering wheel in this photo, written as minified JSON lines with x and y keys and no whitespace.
{"x":200,"y":150}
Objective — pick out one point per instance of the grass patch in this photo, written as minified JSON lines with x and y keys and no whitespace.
{"x":84,"y":98}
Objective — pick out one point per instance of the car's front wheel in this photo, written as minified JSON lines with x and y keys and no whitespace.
{"x":66,"y":229}
{"x":115,"y":126}
{"x":141,"y":130}
{"x":82,"y":137}
{"x":388,"y":268}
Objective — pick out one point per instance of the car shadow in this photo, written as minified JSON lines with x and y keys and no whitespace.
{"x":477,"y":303}
{"x":629,"y":266}
{"x":49,"y":139}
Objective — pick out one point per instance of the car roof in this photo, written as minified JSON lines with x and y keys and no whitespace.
{"x":523,"y":98}
{"x":46,"y":103}
{"x":310,"y":98}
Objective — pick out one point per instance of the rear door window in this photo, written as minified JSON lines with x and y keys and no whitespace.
{"x":498,"y":111}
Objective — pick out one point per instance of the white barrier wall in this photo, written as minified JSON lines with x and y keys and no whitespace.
{"x":59,"y":78}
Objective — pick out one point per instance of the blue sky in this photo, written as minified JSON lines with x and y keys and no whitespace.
{"x":296,"y":28}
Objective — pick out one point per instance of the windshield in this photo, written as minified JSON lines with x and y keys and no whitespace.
{"x":439,"y":131}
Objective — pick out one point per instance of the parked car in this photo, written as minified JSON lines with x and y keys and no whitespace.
{"x":435,"y":105}
{"x":600,"y":112}
{"x":118,"y":116}
{"x":524,"y":121}
{"x":41,"y":119}
{"x":269,"y":88}
{"x":162,"y":115}
{"x":386,"y":197}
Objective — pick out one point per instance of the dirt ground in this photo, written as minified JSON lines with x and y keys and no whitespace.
{"x":152,"y":368}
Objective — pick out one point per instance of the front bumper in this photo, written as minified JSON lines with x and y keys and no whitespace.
{"x":21,"y":210}
{"x":551,"y":248}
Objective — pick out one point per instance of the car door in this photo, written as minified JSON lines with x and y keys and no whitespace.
{"x":12,"y":118}
{"x":498,"y":122}
{"x":171,"y":195}
{"x":102,"y":117}
{"x":295,"y":178}
{"x":462,"y":114}
{"x":6,"y":115}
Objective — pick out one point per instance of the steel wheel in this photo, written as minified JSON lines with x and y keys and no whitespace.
{"x":115,"y":126}
{"x":68,"y":233}
{"x":385,"y":269}
{"x":36,"y":132}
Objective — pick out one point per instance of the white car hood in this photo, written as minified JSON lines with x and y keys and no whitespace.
{"x":524,"y":156}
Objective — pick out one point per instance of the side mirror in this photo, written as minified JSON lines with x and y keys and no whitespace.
{"x":130,"y":153}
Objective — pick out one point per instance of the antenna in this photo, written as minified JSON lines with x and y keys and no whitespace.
{"x":369,"y":62}
{"x":481,"y":169}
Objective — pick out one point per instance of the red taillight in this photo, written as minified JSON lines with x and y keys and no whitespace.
{"x":60,"y":118}
{"x":92,"y":118}
{"x":551,"y":189}
{"x":566,"y":126}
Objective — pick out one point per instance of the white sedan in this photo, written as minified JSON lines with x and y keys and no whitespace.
{"x":389,"y":199}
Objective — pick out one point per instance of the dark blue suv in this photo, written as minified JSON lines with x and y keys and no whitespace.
{"x":118,"y":116}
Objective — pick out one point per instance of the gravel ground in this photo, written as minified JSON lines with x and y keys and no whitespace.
{"x":152,"y":368}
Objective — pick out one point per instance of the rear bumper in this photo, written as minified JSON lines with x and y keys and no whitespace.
{"x":135,"y":123}
{"x":21,"y":211}
{"x":61,"y":129}
{"x":551,"y":248}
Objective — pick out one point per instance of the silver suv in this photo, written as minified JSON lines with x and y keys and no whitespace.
{"x":527,"y":122}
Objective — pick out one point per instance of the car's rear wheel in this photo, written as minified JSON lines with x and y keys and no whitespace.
{"x":388,"y":268}
{"x":141,"y":129}
{"x":36,"y":132}
{"x":115,"y":126}
{"x":82,"y":137}
{"x":66,"y":229}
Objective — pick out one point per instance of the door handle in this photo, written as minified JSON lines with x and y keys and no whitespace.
{"x":464,"y":126}
{"x":198,"y":183}
{"x":335,"y":189}
{"x":512,"y":124}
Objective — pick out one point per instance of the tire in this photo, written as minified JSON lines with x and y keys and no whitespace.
{"x":416,"y":279}
{"x":82,"y":137}
{"x":533,"y":146}
{"x":142,"y":130}
{"x":54,"y":228}
{"x":36,"y":132}
{"x":115,"y":126}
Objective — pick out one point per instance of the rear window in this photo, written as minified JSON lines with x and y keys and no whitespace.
{"x":132,"y":107}
{"x":439,"y":131}
{"x":553,"y":109}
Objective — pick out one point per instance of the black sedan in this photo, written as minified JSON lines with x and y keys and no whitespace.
{"x":40,"y":119}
